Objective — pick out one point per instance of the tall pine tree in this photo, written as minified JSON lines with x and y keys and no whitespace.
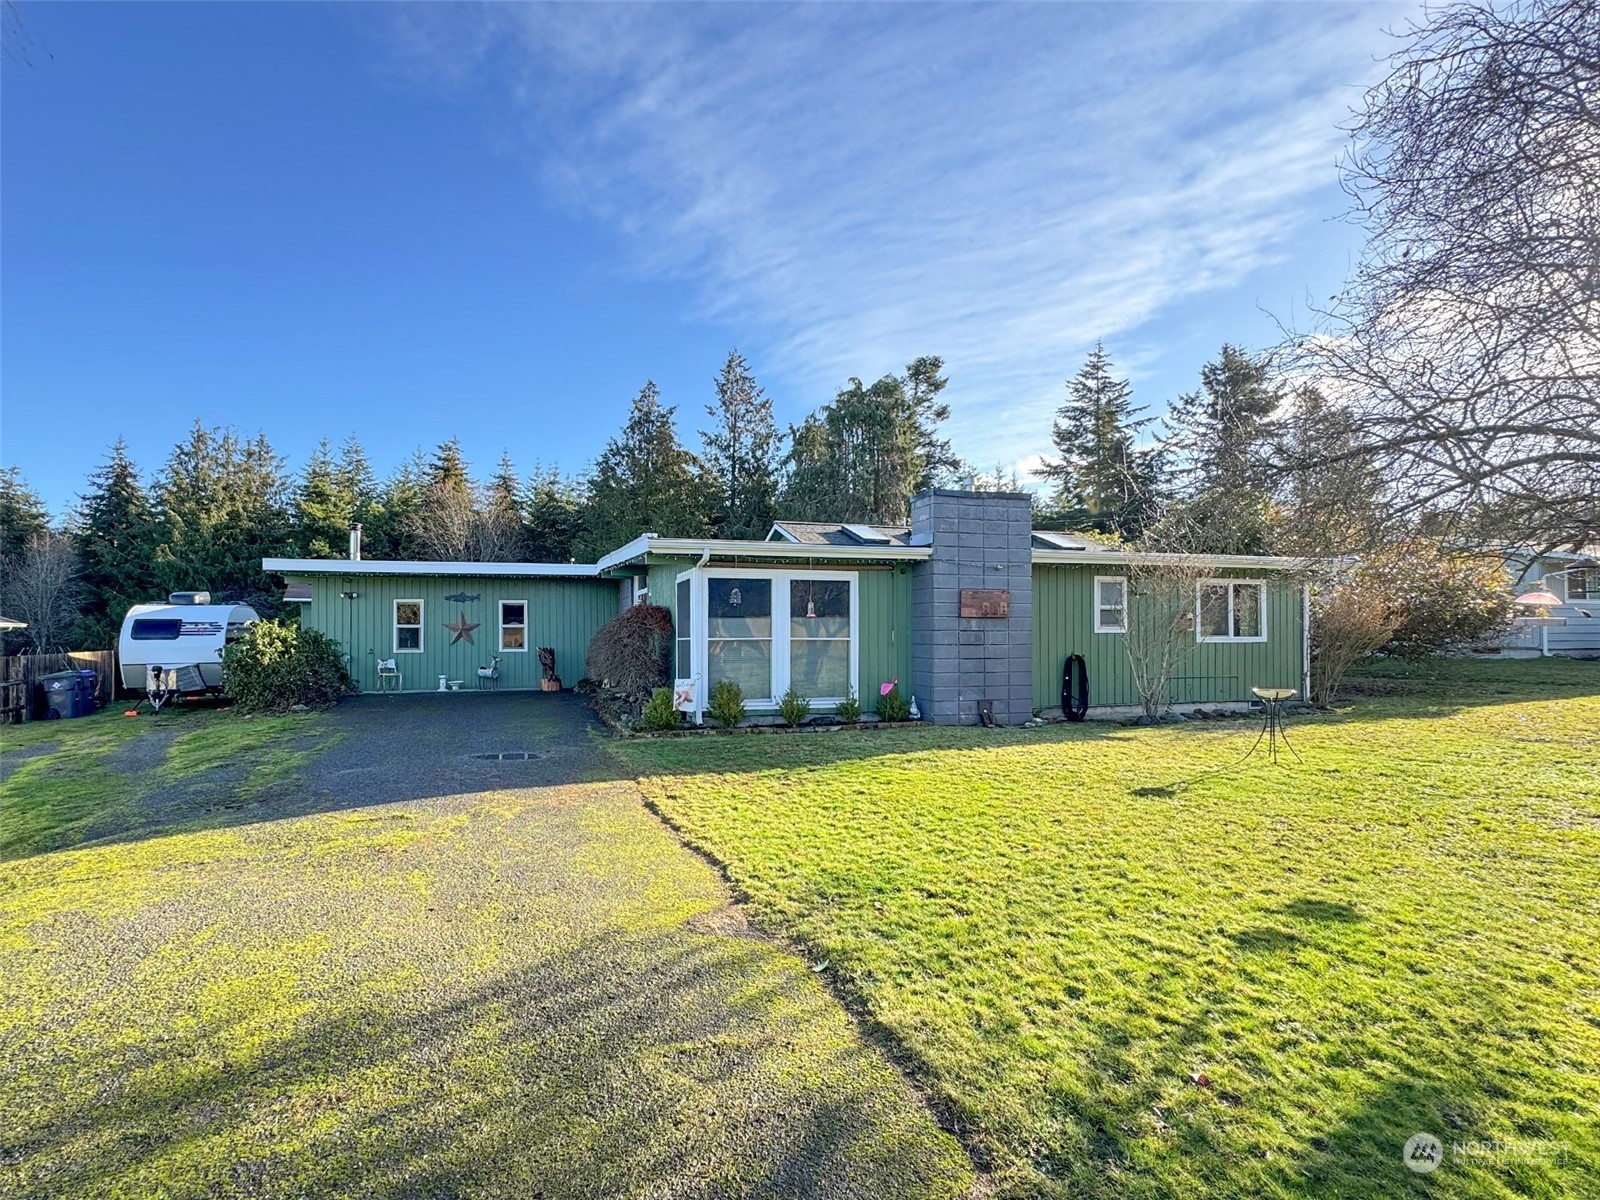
{"x":221,"y":506}
{"x":554,"y":515}
{"x":741,"y":453}
{"x":644,"y":481}
{"x":22,"y":513}
{"x":1221,"y":440}
{"x":114,"y":528}
{"x":1103,"y":482}
{"x":871,"y":449}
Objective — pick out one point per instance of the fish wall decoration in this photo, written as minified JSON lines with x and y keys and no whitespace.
{"x":461,"y":598}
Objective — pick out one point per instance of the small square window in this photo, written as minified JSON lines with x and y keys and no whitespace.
{"x":513,"y":625}
{"x":408,"y":626}
{"x":1110,"y":604}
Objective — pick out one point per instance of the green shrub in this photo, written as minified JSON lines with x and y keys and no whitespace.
{"x":632,"y":652}
{"x":658,"y":713}
{"x":850,"y":709}
{"x":276,"y":664}
{"x":893,"y":706}
{"x":793,"y":707}
{"x":727,"y":702}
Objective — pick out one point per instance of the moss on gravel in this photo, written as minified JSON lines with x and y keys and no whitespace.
{"x":505,"y":994}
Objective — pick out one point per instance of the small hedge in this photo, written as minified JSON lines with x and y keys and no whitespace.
{"x":727,"y":703}
{"x":276,"y":665}
{"x":892,"y":706}
{"x":660,"y":713}
{"x":632,"y":653}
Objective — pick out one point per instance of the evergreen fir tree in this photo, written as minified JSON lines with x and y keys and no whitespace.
{"x":871,"y":449}
{"x":1221,"y":438}
{"x":221,"y":506}
{"x":22,"y":513}
{"x":554,"y":512}
{"x":115,"y":531}
{"x":644,"y":481}
{"x":447,"y":471}
{"x":1103,"y":482}
{"x":741,"y":453}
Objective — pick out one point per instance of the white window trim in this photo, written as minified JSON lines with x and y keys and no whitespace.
{"x":1199,"y":591}
{"x":700,"y":588}
{"x":522,"y":649}
{"x":421,"y":626}
{"x":1118,"y":579}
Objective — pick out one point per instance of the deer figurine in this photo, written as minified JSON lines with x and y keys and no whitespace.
{"x":489,"y":677}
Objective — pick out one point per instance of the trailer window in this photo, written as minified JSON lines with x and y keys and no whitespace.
{"x":156,"y":629}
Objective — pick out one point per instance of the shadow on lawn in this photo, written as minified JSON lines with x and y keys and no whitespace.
{"x":628,"y":1065}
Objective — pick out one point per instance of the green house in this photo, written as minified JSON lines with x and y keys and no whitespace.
{"x":968,"y":608}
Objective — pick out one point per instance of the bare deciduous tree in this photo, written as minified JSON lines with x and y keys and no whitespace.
{"x":1351,"y":616}
{"x":1160,"y":619}
{"x":451,"y":527}
{"x":1467,"y":342}
{"x":41,"y":588}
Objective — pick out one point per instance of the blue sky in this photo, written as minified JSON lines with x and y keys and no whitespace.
{"x":412,"y":222}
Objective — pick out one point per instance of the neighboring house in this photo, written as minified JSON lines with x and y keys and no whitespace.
{"x":1573,"y":626}
{"x":830,"y":609}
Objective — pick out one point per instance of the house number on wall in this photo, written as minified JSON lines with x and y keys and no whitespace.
{"x":985,"y":602}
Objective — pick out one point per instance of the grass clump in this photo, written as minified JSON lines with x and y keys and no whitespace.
{"x":1133,"y":966}
{"x":727,"y":703}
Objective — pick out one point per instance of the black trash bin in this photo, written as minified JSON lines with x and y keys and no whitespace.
{"x":68,"y":694}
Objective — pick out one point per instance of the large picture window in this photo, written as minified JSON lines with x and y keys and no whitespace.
{"x":408,"y":626}
{"x":739,"y":634}
{"x":513,"y":625}
{"x":767,"y":631}
{"x":1581,"y":585}
{"x":1232,"y":611}
{"x":819,"y":636}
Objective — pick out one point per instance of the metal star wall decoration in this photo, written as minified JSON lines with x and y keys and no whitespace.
{"x":461,"y":628}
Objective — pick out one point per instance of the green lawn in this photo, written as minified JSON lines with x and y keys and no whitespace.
{"x":206,"y":993}
{"x":1122,"y":968}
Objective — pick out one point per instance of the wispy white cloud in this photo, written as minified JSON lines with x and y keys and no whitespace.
{"x":857,"y":185}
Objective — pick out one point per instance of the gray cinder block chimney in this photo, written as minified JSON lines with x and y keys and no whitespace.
{"x":982,"y":543}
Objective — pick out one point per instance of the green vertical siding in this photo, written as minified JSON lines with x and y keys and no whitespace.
{"x":562,"y":613}
{"x":1213,"y":672}
{"x":884,"y":628}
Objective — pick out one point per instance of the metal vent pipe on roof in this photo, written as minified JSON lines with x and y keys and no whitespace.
{"x":355,"y":541}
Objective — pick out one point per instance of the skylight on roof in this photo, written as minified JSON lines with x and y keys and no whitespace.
{"x":1059,"y":541}
{"x":869,"y":535}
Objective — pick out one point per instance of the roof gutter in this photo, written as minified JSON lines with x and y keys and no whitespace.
{"x":1111,"y":558}
{"x":374,"y":566}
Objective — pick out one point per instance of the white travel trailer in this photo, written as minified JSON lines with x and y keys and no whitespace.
{"x":176,"y":648}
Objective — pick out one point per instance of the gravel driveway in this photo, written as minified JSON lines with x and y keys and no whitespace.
{"x":404,"y":970}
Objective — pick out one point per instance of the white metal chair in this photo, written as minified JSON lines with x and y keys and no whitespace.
{"x":389,"y":678}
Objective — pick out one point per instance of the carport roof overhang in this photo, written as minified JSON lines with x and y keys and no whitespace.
{"x":374,"y":566}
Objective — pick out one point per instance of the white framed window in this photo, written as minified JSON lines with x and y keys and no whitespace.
{"x":408,"y":626}
{"x":1583,"y":584}
{"x":513,"y":626}
{"x":1110,"y":604}
{"x":683,"y":628}
{"x":768,"y":630}
{"x":1231,"y":610}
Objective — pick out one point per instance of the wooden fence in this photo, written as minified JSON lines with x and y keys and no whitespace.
{"x":28,"y":669}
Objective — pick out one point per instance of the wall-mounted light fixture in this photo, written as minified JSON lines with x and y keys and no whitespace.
{"x":348,"y":595}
